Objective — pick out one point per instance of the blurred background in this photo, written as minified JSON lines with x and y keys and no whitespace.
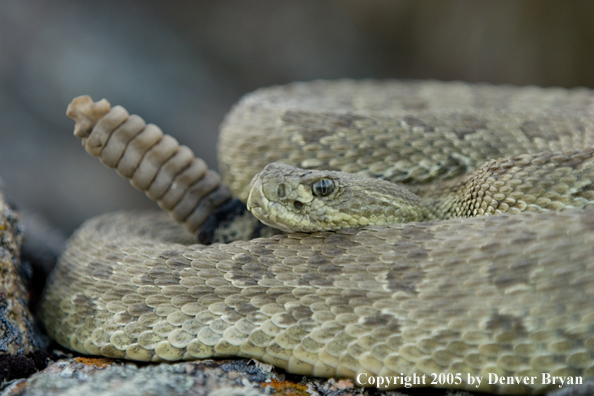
{"x":182,"y":64}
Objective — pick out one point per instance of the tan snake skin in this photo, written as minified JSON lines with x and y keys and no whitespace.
{"x":509,"y":295}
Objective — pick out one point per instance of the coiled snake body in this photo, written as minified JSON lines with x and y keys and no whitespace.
{"x":509,"y":294}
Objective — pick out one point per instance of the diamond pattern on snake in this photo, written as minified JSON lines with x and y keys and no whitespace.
{"x":428,"y":228}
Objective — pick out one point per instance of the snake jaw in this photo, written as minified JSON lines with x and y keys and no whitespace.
{"x":263,"y":209}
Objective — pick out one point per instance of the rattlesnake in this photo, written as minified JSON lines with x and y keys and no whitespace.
{"x":508,"y":294}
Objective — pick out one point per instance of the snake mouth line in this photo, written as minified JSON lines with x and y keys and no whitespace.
{"x":258,"y":204}
{"x":256,"y":197}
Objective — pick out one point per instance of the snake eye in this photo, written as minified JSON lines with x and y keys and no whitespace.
{"x":323,"y":187}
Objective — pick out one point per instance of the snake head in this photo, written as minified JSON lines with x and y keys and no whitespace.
{"x":301,"y":200}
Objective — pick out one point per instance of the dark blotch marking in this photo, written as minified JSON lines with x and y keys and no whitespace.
{"x":419,"y":254}
{"x":145,"y":279}
{"x":549,"y":129}
{"x":506,"y":323}
{"x":315,"y":279}
{"x":166,"y":281}
{"x":376,"y":320}
{"x":260,"y":251}
{"x":82,"y":300}
{"x":253,"y":268}
{"x":139,"y":309}
{"x":317,"y":260}
{"x":404,"y":246}
{"x":301,"y":312}
{"x":316,"y":126}
{"x":113,"y":257}
{"x":525,"y":238}
{"x":542,"y":129}
{"x":84,"y":305}
{"x":587,"y":219}
{"x":515,"y":273}
{"x":304,"y":118}
{"x":580,"y":191}
{"x":340,"y":241}
{"x":343,"y":120}
{"x":314,"y":135}
{"x":332,"y":252}
{"x":101,"y":271}
{"x":170,"y":253}
{"x":329,"y":269}
{"x":245,"y":308}
{"x":293,"y":117}
{"x":467,"y":125}
{"x":178,"y":263}
{"x":405,"y":277}
{"x":237,"y":277}
{"x":416,"y":233}
{"x":492,"y":247}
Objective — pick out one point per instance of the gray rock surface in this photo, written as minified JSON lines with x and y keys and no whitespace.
{"x":103,"y":377}
{"x":21,"y":345}
{"x":91,"y":376}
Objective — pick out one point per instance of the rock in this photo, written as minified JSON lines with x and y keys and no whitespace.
{"x":110,"y":377}
{"x":103,"y":376}
{"x":22,"y":348}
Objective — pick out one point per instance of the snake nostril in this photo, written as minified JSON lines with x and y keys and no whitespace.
{"x":298,"y":205}
{"x":281,"y":191}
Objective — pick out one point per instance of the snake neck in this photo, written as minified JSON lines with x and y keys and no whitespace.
{"x":298,"y":200}
{"x":513,"y":185}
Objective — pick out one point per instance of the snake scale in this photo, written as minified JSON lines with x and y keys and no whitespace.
{"x":509,"y":294}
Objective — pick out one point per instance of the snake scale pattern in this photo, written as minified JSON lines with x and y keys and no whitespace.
{"x":509,"y":294}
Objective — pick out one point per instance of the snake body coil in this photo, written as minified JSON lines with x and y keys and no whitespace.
{"x":508,"y":294}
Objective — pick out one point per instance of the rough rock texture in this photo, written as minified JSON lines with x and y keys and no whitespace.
{"x":103,"y":376}
{"x":109,"y":377}
{"x":21,"y":345}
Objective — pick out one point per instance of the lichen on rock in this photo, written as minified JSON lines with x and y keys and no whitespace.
{"x":22,"y":348}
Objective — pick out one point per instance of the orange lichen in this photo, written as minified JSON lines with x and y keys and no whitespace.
{"x":98,"y":362}
{"x":18,"y":388}
{"x":286,"y":388}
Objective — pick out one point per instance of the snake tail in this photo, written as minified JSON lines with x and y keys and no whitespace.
{"x":152,"y":161}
